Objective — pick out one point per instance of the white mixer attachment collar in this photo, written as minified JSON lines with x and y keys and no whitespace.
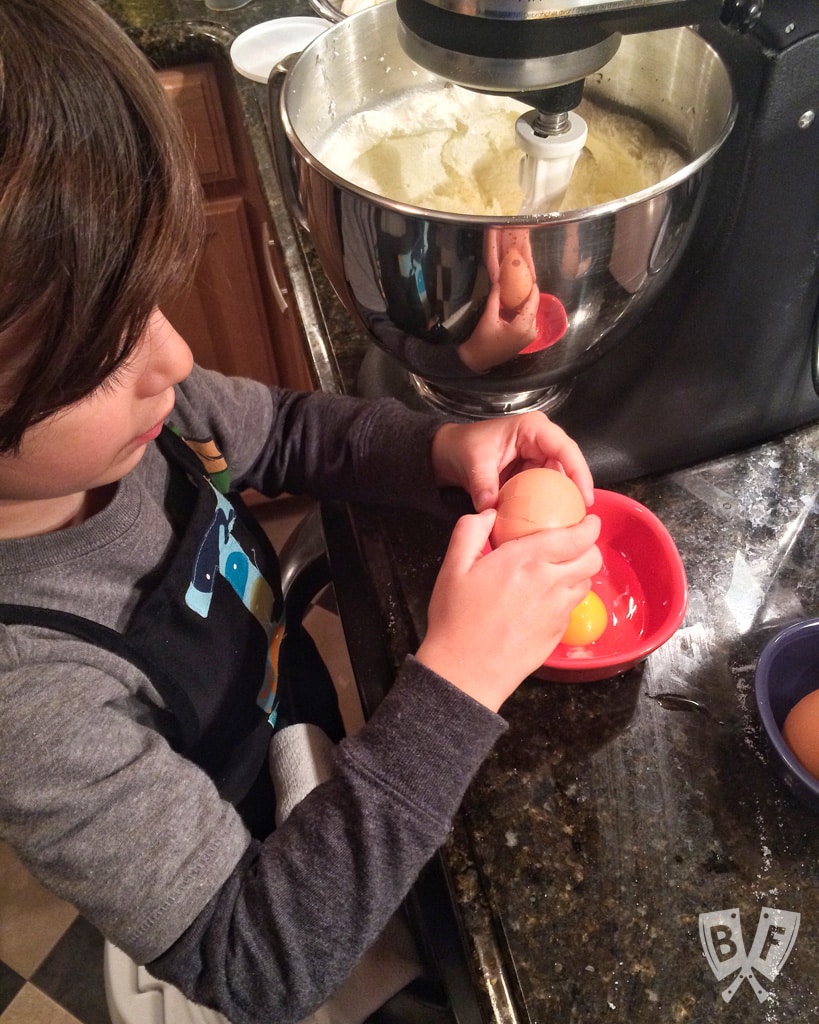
{"x":551,"y":144}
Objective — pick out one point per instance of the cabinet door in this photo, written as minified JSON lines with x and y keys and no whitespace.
{"x":194,"y":91}
{"x":222,"y":316}
{"x":238,"y":317}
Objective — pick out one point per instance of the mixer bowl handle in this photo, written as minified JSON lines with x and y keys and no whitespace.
{"x":282,"y":150}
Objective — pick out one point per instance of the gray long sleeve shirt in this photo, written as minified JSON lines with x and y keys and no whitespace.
{"x":103,"y":811}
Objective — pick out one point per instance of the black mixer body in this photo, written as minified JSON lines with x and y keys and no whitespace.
{"x":725,"y":353}
{"x":726,"y":356}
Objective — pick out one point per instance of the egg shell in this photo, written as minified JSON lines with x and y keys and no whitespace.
{"x":801,"y":732}
{"x":536,"y":499}
{"x":515,"y":280}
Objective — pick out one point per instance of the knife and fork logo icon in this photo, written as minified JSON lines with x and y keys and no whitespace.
{"x":724,"y":947}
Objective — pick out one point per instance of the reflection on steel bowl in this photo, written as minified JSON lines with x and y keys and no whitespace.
{"x":421,"y":281}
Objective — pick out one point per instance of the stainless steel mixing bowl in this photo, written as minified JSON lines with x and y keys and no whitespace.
{"x":419,"y":280}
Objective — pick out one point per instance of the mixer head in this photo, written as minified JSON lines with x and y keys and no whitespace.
{"x":538,"y":51}
{"x":512,"y":47}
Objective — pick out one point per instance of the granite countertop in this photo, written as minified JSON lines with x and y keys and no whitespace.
{"x":612,"y":814}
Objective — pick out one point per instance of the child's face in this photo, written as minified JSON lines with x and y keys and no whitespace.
{"x":100,"y":439}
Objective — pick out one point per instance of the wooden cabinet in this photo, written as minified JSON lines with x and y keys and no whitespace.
{"x":237,"y":316}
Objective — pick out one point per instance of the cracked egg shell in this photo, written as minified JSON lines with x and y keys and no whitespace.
{"x":536,"y":499}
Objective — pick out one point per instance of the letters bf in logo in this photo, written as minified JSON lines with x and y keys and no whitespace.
{"x":721,"y":937}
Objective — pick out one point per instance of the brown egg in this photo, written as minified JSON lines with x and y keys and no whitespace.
{"x":536,"y":499}
{"x":801,"y":732}
{"x":515,"y":280}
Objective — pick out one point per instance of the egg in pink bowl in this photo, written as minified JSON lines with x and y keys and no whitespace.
{"x":642,"y":585}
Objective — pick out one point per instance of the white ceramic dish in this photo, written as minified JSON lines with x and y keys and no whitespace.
{"x":256,"y":52}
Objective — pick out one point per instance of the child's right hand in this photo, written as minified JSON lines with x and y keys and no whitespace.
{"x":494,"y":619}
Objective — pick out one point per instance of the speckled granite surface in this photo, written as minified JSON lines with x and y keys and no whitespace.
{"x":612,"y":814}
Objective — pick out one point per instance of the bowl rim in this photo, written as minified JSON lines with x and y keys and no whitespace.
{"x":670,"y":623}
{"x":771,"y":650}
{"x":384,"y":9}
{"x":329,"y":10}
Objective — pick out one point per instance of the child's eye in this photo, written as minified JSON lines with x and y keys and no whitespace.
{"x":116,"y":379}
{"x":120,"y":376}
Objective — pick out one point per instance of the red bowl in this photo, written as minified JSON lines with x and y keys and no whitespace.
{"x":643,"y":586}
{"x":551,"y":324}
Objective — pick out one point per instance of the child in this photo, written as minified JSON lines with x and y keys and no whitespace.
{"x":138,"y":670}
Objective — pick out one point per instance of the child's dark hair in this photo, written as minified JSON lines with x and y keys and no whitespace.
{"x":100,"y":210}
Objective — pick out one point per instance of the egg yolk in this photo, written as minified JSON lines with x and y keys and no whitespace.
{"x":801,"y":732}
{"x":587,"y":622}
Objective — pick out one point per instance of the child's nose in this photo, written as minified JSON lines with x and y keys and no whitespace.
{"x":171,"y":357}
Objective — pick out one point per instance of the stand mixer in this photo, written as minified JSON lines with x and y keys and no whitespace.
{"x":539,"y":53}
{"x":691,"y":308}
{"x":727,"y":356}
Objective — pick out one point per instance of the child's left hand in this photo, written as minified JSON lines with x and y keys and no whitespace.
{"x":481,"y":456}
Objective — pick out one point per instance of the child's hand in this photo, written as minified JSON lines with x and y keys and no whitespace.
{"x":481,"y":456}
{"x":495,"y":618}
{"x":497,"y":339}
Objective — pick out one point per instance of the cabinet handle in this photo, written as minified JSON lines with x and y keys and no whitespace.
{"x":279,"y":293}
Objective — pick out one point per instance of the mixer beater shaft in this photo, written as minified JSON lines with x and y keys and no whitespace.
{"x":551,"y":144}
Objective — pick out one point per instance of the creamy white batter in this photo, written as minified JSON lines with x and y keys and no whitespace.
{"x":446,"y":148}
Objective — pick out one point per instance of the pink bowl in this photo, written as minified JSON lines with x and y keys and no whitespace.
{"x":643,"y":586}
